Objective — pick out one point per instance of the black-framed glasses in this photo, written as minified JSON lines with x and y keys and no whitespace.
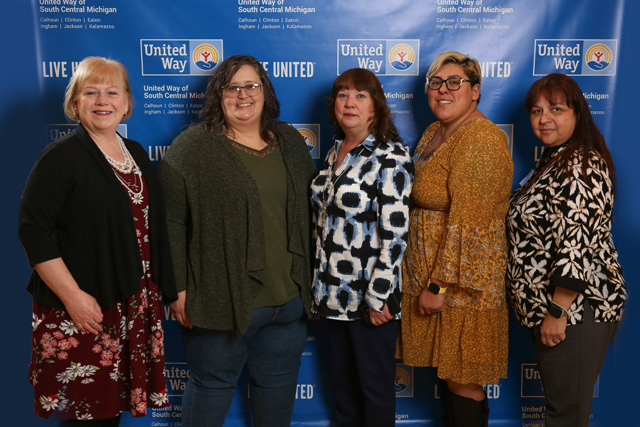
{"x":251,"y":89}
{"x":453,"y":83}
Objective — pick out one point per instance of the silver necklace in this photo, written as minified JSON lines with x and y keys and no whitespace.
{"x":134,"y":190}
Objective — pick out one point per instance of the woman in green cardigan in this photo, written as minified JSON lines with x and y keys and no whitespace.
{"x":238,"y":215}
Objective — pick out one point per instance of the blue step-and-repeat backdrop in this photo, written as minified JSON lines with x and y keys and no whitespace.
{"x":170,"y":47}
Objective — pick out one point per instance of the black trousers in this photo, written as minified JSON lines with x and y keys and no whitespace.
{"x":363,"y":370}
{"x":569,"y":371}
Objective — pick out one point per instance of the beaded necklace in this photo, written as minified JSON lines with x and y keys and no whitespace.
{"x":126,"y":167}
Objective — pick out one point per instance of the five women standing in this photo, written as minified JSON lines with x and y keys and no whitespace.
{"x":238,"y":214}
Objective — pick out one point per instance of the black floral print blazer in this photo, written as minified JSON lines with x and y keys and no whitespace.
{"x":559,"y":234}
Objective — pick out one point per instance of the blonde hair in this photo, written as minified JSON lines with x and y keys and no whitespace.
{"x":469,"y":65}
{"x":96,"y":69}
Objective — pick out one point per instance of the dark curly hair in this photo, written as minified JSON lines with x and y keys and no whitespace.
{"x":382,"y":126}
{"x":212,"y":115}
{"x":560,"y":88}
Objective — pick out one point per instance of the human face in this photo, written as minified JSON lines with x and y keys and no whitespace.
{"x":552,"y":122}
{"x":101,"y":106}
{"x":243,"y":111}
{"x":354,"y":112}
{"x":450,"y":106}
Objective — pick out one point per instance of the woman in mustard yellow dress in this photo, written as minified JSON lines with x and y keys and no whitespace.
{"x":454,"y":311}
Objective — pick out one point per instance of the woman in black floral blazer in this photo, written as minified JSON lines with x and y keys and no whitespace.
{"x":564,"y":278}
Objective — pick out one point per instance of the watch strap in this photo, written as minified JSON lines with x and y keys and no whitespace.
{"x":436,"y":289}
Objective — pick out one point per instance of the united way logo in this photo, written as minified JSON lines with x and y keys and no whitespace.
{"x":575,"y":57}
{"x":206,"y":57}
{"x":402,"y":56}
{"x":530,"y":384}
{"x":311,"y":135}
{"x":383,"y":57}
{"x":598,"y":57}
{"x":177,"y":374}
{"x":170,"y":57}
{"x":404,"y":381}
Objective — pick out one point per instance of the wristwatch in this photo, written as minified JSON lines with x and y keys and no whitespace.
{"x":557,"y":311}
{"x":436,"y":289}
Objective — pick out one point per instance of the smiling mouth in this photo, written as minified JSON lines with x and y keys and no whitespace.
{"x":245,"y":105}
{"x":445,"y":101}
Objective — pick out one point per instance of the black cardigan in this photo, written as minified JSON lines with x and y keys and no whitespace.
{"x":74,"y":207}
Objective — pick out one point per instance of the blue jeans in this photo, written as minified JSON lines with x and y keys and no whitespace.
{"x":271,"y":349}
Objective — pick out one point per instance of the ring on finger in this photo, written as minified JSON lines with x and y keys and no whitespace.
{"x":93,"y":322}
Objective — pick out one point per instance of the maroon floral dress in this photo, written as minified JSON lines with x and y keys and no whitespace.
{"x":78,"y":375}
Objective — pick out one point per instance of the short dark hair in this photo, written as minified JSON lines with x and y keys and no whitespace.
{"x":382,"y":126}
{"x":560,"y":88}
{"x":212,"y":114}
{"x":470,"y":66}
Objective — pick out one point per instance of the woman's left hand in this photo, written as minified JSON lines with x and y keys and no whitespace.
{"x":552,"y":331}
{"x":178,"y":309}
{"x":380,"y":317}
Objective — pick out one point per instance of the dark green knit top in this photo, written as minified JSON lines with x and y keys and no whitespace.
{"x":216,"y":227}
{"x":270,"y":175}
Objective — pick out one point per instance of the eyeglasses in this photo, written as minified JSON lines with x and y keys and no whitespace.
{"x":250,"y":89}
{"x":453,"y":83}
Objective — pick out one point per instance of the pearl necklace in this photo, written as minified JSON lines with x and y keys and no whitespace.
{"x":126,"y":166}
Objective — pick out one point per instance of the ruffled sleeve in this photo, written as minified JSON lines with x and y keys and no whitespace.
{"x":473,"y":249}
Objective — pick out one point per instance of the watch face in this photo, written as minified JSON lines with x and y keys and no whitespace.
{"x":555,"y":311}
{"x":433,"y":288}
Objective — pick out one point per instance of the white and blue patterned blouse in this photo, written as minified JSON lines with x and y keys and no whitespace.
{"x":361,"y":223}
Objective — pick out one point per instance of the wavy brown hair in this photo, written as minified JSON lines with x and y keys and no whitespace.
{"x":212,"y":115}
{"x":562,"y":89}
{"x":382,"y":126}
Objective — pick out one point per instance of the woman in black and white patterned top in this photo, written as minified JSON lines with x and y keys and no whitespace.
{"x":564,"y":278}
{"x":360,"y":203}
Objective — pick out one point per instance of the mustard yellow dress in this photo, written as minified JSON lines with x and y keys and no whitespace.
{"x":457,"y":234}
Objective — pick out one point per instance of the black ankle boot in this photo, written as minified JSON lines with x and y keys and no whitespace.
{"x":462,"y":411}
{"x":444,"y":400}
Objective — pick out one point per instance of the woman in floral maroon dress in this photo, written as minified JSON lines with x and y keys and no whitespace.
{"x":93,"y":226}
